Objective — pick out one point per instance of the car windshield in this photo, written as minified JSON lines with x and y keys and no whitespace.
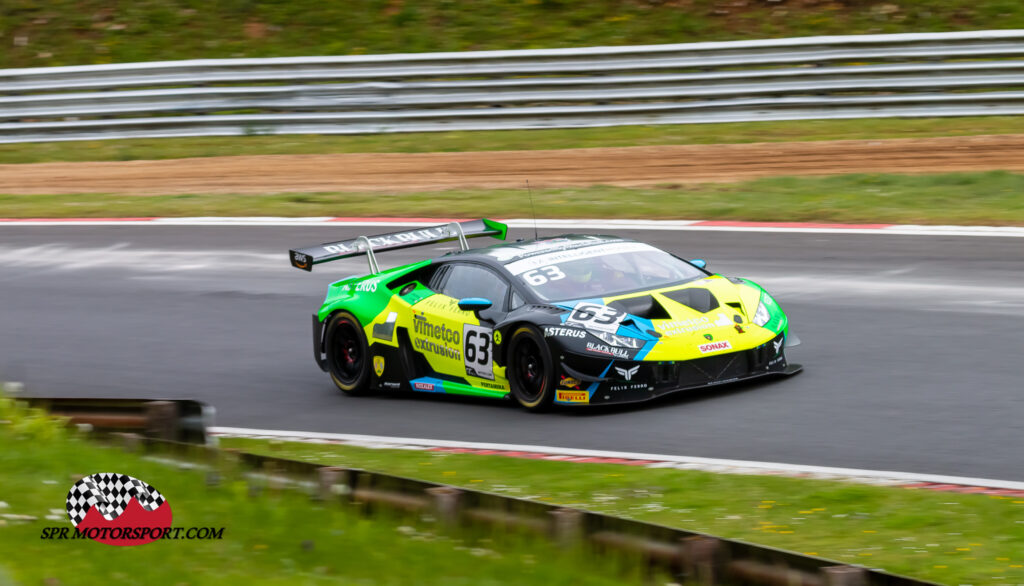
{"x":601,"y":270}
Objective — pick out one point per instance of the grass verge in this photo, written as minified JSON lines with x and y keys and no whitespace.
{"x":72,"y":32}
{"x":498,"y":140}
{"x":275,"y":538}
{"x":946,"y":537}
{"x":990,"y":198}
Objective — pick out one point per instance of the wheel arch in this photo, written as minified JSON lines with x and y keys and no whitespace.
{"x":506,"y":329}
{"x":538,"y":398}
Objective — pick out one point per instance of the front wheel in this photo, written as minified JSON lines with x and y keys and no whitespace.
{"x":531,"y":369}
{"x":348,"y":357}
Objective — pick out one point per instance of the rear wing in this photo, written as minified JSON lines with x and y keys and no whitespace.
{"x":305,"y":258}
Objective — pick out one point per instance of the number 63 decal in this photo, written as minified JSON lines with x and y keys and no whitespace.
{"x":476,"y":351}
{"x":596,"y":317}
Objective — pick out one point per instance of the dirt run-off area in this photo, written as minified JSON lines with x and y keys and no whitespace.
{"x":629,"y":166}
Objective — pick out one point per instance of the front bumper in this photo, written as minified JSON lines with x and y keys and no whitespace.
{"x":608,"y":381}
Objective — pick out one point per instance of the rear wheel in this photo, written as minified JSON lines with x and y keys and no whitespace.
{"x":531,"y":370}
{"x":348,"y":357}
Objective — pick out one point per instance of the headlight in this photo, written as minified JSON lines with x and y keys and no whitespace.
{"x":620,"y":341}
{"x":761,"y":316}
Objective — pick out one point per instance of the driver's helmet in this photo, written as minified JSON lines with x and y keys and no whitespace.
{"x":580,"y":272}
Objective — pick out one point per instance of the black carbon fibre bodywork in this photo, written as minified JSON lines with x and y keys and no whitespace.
{"x":586,"y":364}
{"x":614,"y":380}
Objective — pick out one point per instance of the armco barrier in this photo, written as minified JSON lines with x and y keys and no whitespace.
{"x":693,"y":557}
{"x":927,"y":74}
{"x":174,"y":420}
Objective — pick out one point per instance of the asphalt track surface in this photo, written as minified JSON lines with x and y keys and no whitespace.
{"x":912,"y":345}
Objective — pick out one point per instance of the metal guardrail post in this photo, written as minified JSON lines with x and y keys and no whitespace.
{"x":703,"y":560}
{"x":844,"y":576}
{"x":447,"y":501}
{"x":329,"y":479}
{"x":161,"y":420}
{"x":567,"y":527}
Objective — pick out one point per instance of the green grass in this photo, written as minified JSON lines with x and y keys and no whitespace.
{"x":745,"y":132}
{"x":946,"y":537}
{"x":960,"y":198}
{"x":68,"y":32}
{"x":277,"y":538}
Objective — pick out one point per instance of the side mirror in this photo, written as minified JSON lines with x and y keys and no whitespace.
{"x":700,"y":263}
{"x":474,"y":304}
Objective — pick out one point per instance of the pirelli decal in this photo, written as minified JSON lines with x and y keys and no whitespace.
{"x":572,"y":396}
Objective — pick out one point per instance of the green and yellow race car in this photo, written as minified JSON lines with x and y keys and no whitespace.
{"x":569,"y":320}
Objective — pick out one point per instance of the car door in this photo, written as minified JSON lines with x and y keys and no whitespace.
{"x":456,"y":342}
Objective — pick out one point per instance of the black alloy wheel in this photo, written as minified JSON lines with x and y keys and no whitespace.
{"x":531,"y":369}
{"x":348,"y":357}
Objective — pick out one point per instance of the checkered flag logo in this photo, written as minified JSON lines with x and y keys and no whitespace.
{"x":110,"y":493}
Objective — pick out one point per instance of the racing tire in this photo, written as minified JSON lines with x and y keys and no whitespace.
{"x":348,"y":356}
{"x":531,"y":369}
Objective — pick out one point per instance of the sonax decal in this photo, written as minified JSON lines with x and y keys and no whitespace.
{"x":714,"y":347}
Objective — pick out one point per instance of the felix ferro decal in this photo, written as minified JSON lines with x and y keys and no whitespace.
{"x":117,"y":509}
{"x":627,"y":373}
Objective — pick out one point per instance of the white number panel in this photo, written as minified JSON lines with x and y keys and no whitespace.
{"x":596,"y":317}
{"x":476,"y":351}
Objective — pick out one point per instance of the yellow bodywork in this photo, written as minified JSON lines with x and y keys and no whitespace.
{"x":685,"y":333}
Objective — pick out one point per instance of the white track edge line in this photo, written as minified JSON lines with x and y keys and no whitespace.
{"x":660,"y":225}
{"x":909,"y":477}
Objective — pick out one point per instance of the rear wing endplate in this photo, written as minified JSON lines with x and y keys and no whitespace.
{"x":305,"y":258}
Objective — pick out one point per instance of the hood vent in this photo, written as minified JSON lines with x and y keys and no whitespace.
{"x":738,"y":307}
{"x":700,"y":300}
{"x":644,"y":306}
